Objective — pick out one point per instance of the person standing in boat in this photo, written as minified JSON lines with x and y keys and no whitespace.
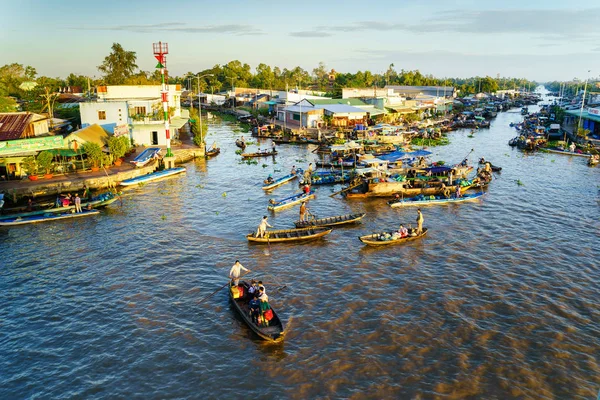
{"x":262,"y":228}
{"x":572,"y":147}
{"x":303,"y":211}
{"x":234,"y":273}
{"x":419,"y":221}
{"x":78,"y":203}
{"x":458,"y":193}
{"x":273,"y":147}
{"x":293,"y":171}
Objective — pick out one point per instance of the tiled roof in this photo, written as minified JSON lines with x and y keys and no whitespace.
{"x":12,"y":125}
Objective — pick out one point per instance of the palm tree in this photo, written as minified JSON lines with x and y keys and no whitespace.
{"x":118,"y":65}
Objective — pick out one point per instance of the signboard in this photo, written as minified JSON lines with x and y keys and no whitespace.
{"x":34,"y":144}
{"x":121,"y":130}
{"x":594,"y":111}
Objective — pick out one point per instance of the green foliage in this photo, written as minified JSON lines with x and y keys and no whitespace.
{"x":7,"y":104}
{"x":118,"y":66}
{"x":30,"y":165}
{"x":71,"y":114}
{"x":94,"y":153}
{"x":44,"y":160}
{"x":410,"y":118}
{"x":443,"y":141}
{"x":118,"y":146}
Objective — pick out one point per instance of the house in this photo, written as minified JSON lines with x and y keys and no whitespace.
{"x":413,"y":91}
{"x":371,"y":110}
{"x":137,"y":109}
{"x":590,"y":120}
{"x":21,"y":125}
{"x":307,"y":114}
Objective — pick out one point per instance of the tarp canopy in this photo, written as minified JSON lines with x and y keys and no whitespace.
{"x":397,"y":155}
{"x":66,"y":152}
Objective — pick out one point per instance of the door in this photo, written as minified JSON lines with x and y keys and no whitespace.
{"x":154,"y":138}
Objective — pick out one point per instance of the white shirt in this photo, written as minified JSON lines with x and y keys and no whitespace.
{"x":263,"y":225}
{"x":236,"y":269}
{"x":263,"y":297}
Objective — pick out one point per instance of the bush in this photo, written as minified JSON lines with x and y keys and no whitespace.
{"x":44,"y":160}
{"x":30,"y":165}
{"x":94,"y":153}
{"x":118,"y":146}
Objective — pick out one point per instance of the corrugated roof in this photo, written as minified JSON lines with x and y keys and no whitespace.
{"x":348,"y":102}
{"x":12,"y":125}
{"x":340,"y":108}
{"x":584,"y":114}
{"x":93,"y":133}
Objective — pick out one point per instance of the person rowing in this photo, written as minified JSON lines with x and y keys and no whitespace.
{"x":235,"y":272}
{"x":262,"y":228}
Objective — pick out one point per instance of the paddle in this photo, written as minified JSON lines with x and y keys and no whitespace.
{"x":221,"y":288}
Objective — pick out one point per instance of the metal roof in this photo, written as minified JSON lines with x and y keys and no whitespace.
{"x":12,"y":125}
{"x":340,"y":108}
{"x":584,"y":114}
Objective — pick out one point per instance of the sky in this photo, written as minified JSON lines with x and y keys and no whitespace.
{"x":538,"y":40}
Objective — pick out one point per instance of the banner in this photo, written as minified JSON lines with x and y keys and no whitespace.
{"x":121,"y":130}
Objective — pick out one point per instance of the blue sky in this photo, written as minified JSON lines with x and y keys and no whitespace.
{"x":541,"y":40}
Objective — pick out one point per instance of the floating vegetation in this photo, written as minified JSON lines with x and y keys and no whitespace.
{"x":163,"y":217}
{"x":520,"y":183}
{"x":239,"y":152}
{"x":216,"y":213}
{"x":300,"y":161}
{"x":552,"y":160}
{"x":264,"y":165}
{"x":276,"y":170}
{"x":443,"y":141}
{"x":199,"y":186}
{"x":142,"y":184}
{"x":224,"y":194}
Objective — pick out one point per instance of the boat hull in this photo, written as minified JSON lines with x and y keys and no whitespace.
{"x":279,"y":182}
{"x":46,"y":218}
{"x":290,"y":201}
{"x":153,"y":176}
{"x":290,"y":235}
{"x":331,"y":221}
{"x":567,"y":153}
{"x":251,"y":155}
{"x":388,"y":189}
{"x":371,"y":240}
{"x":419,"y":203}
{"x":275,"y":332}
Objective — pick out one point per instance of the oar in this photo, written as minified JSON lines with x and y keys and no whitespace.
{"x":221,"y":288}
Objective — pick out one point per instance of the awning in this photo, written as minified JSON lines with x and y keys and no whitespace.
{"x":66,"y":152}
{"x":178,"y":122}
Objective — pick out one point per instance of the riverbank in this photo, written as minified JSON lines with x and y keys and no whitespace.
{"x":106,"y":178}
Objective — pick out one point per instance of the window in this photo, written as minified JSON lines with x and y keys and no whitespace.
{"x":102,"y":115}
{"x":140,"y":110}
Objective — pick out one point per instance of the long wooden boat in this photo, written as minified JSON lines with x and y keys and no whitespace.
{"x":329,"y":178}
{"x":295,"y":141}
{"x":46,"y":218}
{"x":427,"y":200}
{"x":275,"y":205}
{"x":212,"y":152}
{"x":388,"y":189}
{"x":290,"y":235}
{"x":331,"y":221}
{"x":494,"y":167}
{"x":101,"y":200}
{"x":280,"y":181}
{"x":274,"y":332}
{"x":240,"y":143}
{"x":153,"y":176}
{"x":373,"y":239}
{"x":260,"y":154}
{"x":567,"y":153}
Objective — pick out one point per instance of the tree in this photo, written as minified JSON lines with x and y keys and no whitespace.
{"x":118,"y":65}
{"x":44,"y":160}
{"x":118,"y":146}
{"x":94,"y":153}
{"x":7,"y":104}
{"x":321,"y":76}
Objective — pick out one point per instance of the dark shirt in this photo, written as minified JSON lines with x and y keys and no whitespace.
{"x":254,"y":304}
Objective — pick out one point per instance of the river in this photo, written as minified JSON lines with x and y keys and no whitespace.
{"x":499,"y":301}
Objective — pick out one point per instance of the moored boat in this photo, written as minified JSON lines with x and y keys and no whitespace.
{"x":212,"y":152}
{"x":331,"y":221}
{"x":146,"y":156}
{"x":494,"y":167}
{"x":329,"y":177}
{"x":47,"y":217}
{"x":275,"y":205}
{"x":428,"y":200}
{"x":101,"y":200}
{"x":260,"y":154}
{"x":152,"y":176}
{"x":273,"y":332}
{"x":290,"y":235}
{"x":387,"y":238}
{"x":566,"y":152}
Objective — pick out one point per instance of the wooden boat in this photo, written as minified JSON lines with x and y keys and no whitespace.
{"x":373,"y":239}
{"x":212,"y":152}
{"x":46,"y":217}
{"x":298,"y":140}
{"x":280,"y":181}
{"x":494,"y":167}
{"x":567,"y":153}
{"x":329,"y":178}
{"x":240,"y":143}
{"x":153,"y":176}
{"x":274,"y":332}
{"x":427,"y":200}
{"x":101,"y":200}
{"x":389,"y":189}
{"x":290,"y":235}
{"x":331,"y":221}
{"x":275,"y":205}
{"x":260,"y":154}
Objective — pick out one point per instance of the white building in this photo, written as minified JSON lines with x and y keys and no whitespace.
{"x":136,"y":110}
